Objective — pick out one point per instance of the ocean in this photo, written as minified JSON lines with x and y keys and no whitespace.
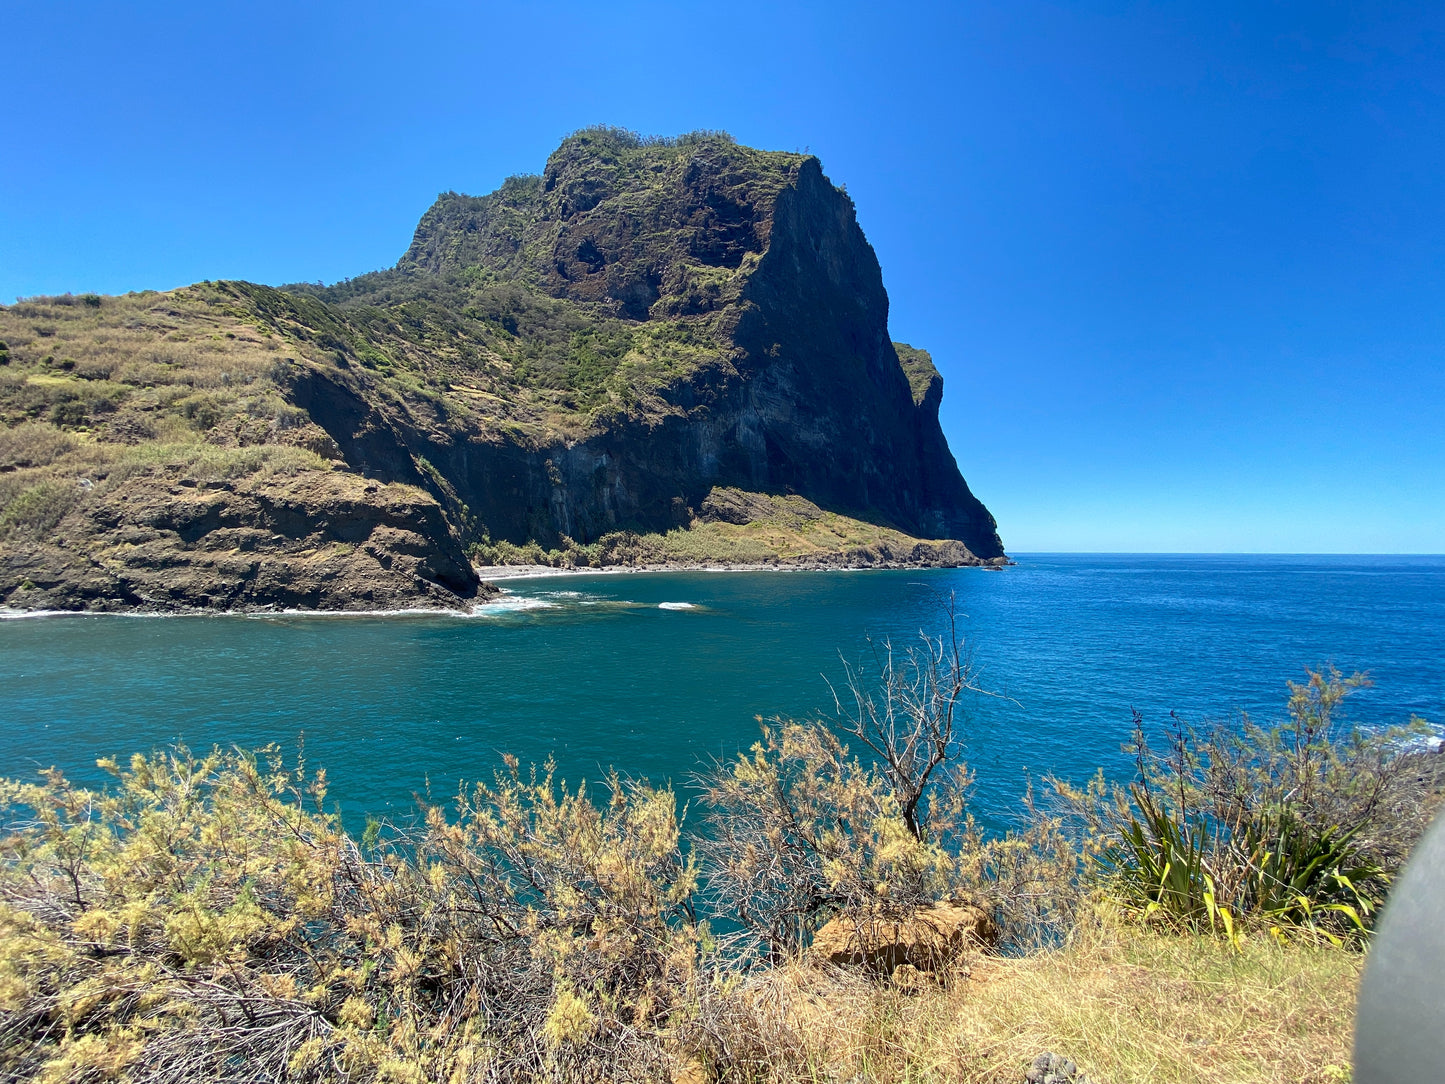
{"x":656,"y":674}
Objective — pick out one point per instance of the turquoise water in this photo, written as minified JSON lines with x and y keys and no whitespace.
{"x":616,"y":670}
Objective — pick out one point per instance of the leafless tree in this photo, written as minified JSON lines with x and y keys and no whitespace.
{"x":912,"y":714}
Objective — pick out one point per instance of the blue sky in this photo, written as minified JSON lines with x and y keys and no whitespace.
{"x":1182,"y":266}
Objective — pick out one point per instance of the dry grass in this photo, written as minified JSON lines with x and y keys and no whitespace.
{"x":739,"y":525}
{"x":769,"y":539}
{"x":761,"y":529}
{"x":183,"y":384}
{"x":1127,"y":1005}
{"x":1130,"y":1005}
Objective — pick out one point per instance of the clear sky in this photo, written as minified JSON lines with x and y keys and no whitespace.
{"x":1181,"y":265}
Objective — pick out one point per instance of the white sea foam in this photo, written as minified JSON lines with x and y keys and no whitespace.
{"x":573,"y":598}
{"x":14,"y":615}
{"x":7,"y":614}
{"x":676,"y":606}
{"x":1423,"y":743}
{"x":511,"y":604}
{"x":416,"y":611}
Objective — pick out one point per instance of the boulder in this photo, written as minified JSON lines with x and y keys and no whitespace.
{"x":1054,"y":1069}
{"x":927,"y":939}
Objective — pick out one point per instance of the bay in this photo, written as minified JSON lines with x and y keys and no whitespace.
{"x":655,"y":673}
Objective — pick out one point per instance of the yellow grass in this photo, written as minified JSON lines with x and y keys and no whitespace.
{"x":789,"y":538}
{"x":1127,"y":1005}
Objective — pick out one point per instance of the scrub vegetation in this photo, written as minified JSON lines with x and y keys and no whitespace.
{"x":735,"y":527}
{"x":207,"y":918}
{"x":97,"y":391}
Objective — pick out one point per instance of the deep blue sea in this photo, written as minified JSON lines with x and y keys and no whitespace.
{"x":656,"y":673}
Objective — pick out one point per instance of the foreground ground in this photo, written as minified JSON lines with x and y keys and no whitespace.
{"x":1128,"y":1006}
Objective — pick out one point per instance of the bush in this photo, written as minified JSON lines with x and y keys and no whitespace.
{"x":72,"y":413}
{"x":39,"y":508}
{"x":800,"y":831}
{"x":1295,"y":828}
{"x":208,"y":920}
{"x":32,"y":444}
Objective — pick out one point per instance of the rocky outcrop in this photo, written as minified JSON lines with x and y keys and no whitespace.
{"x":313,"y":542}
{"x":927,"y":940}
{"x":1054,"y":1069}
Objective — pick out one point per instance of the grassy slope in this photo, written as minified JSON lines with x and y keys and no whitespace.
{"x":153,"y":384}
{"x":501,"y":356}
{"x":194,"y":377}
{"x":735,"y":527}
{"x":796,"y":530}
{"x":1128,"y":1005}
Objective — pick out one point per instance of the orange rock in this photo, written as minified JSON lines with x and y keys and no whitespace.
{"x":927,"y":939}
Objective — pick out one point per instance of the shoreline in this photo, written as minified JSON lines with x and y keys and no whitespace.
{"x":500,"y":573}
{"x":492,"y":574}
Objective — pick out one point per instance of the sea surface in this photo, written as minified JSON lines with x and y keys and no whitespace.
{"x":656,"y":673}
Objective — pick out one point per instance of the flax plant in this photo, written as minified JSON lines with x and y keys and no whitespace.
{"x":1294,"y":829}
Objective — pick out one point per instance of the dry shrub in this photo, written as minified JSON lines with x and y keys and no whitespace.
{"x":785,"y":1023}
{"x":38,"y":508}
{"x":207,"y":920}
{"x":799,"y":830}
{"x":32,"y":444}
{"x":94,"y":366}
{"x":1031,"y":880}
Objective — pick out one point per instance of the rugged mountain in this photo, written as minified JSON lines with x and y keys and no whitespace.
{"x":600,"y":349}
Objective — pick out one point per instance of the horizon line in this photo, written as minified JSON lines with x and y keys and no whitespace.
{"x":1226,"y":553}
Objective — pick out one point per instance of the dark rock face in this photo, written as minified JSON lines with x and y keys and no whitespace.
{"x":315,"y":542}
{"x":807,"y":394}
{"x":851,"y":436}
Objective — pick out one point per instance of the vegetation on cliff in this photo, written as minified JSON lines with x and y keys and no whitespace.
{"x":208,"y":918}
{"x":735,"y":528}
{"x":590,"y":352}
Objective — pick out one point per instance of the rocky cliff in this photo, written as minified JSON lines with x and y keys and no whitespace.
{"x":592,"y":350}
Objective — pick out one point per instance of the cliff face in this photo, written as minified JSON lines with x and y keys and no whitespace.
{"x":797,"y":389}
{"x":596,"y":349}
